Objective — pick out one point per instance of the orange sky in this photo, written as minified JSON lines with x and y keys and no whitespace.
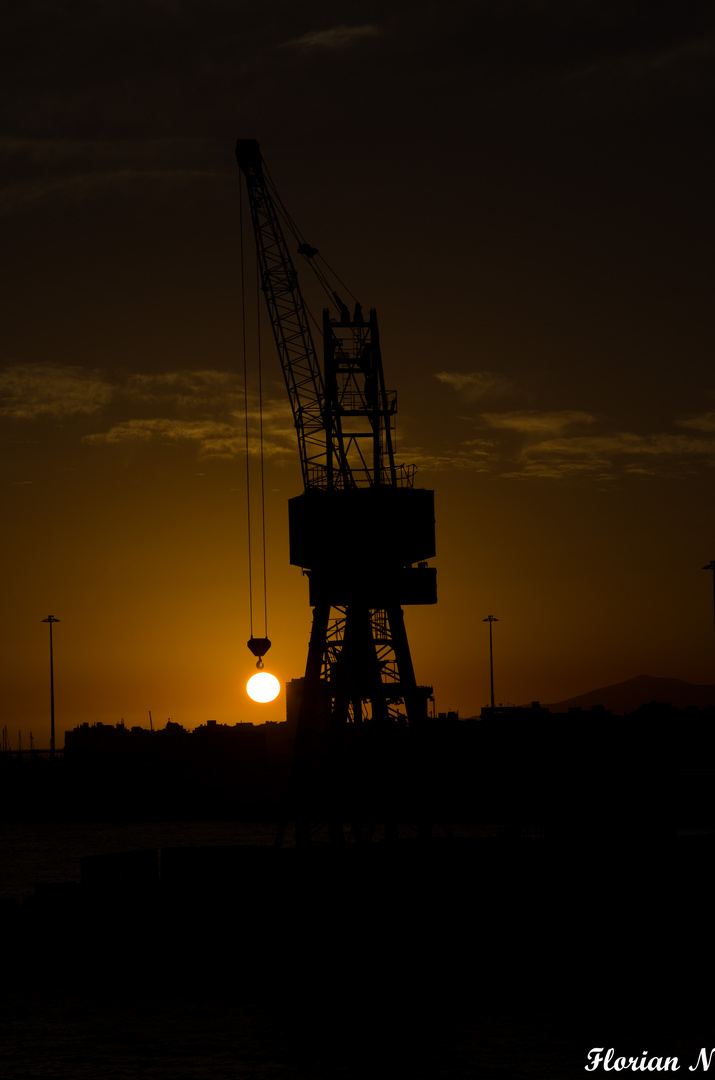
{"x":525,"y":195}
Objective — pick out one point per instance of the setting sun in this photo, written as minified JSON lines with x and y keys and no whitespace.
{"x":263,"y":687}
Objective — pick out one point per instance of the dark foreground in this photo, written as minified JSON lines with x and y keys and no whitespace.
{"x":491,"y":958}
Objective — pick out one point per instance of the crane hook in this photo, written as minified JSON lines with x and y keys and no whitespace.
{"x":259,"y":646}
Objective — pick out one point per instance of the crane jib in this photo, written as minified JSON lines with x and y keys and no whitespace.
{"x":288,"y":314}
{"x":336,"y":452}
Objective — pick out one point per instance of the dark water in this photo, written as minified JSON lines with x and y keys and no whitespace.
{"x":222,"y":1040}
{"x":397,"y":985}
{"x":33,"y":852}
{"x":179,"y":1035}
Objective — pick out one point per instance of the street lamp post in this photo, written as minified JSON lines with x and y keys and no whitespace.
{"x":491,"y":619}
{"x":51,"y":619}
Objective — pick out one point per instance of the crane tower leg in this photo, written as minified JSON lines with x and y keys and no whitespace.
{"x":351,"y":728}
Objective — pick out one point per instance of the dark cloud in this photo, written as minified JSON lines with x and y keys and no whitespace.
{"x":204,"y":407}
{"x":38,"y":391}
{"x":537,"y":424}
{"x":84,"y":69}
{"x":473,"y":385}
{"x":336,"y":37}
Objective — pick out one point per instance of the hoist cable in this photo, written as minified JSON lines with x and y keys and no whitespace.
{"x":260,"y":428}
{"x":245,"y":409}
{"x":298,"y":236}
{"x":338,"y":278}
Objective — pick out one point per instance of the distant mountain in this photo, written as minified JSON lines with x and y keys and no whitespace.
{"x":628,"y":696}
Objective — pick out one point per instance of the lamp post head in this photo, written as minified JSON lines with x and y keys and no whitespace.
{"x":50,"y":619}
{"x":710,"y":566}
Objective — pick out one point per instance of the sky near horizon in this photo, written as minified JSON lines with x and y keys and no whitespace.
{"x":523,"y":190}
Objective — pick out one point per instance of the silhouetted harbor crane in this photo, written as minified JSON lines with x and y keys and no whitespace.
{"x":361,"y":531}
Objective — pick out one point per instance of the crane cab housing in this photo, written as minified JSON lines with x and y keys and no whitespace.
{"x":359,"y":543}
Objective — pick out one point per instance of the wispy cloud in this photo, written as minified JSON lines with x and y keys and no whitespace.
{"x":560,"y":470}
{"x":561,"y":445}
{"x":652,"y":60}
{"x":186,"y":390}
{"x":205,"y":408}
{"x":34,"y":391}
{"x":626,"y":444}
{"x":705,"y":422}
{"x":213,"y":438}
{"x":537,"y":423}
{"x":472,"y":385}
{"x":79,"y":185}
{"x":337,"y":37}
{"x":474,"y":455}
{"x":607,"y":456}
